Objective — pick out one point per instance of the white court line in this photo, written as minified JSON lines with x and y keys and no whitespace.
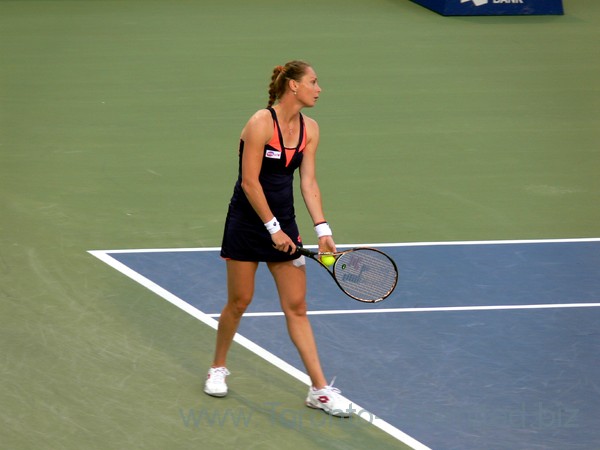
{"x":389,"y":244}
{"x":488,"y":242}
{"x":248,"y":344}
{"x":430,"y":309}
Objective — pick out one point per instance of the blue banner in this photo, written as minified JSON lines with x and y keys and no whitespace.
{"x":492,"y":7}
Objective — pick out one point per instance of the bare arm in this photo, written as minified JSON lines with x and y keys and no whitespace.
{"x":309,"y":185}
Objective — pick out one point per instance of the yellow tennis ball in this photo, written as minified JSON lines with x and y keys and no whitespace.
{"x":328,"y":260}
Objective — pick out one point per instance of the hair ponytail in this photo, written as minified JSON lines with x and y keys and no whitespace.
{"x":293,"y":70}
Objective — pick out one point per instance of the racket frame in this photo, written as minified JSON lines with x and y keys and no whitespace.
{"x":316,"y":256}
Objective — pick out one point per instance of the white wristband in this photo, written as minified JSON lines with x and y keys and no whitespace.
{"x":273,"y":226}
{"x":323,"y":229}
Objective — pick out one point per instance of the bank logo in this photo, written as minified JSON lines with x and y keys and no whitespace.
{"x":485,"y":2}
{"x":477,"y":2}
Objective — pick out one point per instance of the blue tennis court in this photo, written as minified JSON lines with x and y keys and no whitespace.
{"x":483,"y":345}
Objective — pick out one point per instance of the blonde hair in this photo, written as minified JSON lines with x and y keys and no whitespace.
{"x":293,"y":70}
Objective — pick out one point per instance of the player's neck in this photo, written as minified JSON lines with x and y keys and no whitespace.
{"x":287,"y":113}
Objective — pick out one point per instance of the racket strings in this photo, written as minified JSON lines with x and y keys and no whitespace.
{"x":366,"y":275}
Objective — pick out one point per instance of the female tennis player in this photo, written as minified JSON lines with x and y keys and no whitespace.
{"x":261,"y":226}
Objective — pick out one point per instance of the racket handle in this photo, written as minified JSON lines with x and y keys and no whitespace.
{"x":305,"y":252}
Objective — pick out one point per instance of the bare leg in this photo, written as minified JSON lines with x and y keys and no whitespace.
{"x":240,"y":289}
{"x":291,"y":285}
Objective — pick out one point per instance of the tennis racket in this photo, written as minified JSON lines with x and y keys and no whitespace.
{"x":364,"y":274}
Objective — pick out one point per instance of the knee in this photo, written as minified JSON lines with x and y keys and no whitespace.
{"x":238,"y":306}
{"x":295,"y":308}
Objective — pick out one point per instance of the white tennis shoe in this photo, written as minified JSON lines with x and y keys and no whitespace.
{"x":330,"y":400}
{"x":215,"y":382}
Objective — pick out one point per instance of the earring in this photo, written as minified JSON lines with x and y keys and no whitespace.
{"x":295,"y":92}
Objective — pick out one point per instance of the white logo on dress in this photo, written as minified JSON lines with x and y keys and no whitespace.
{"x":273,"y":154}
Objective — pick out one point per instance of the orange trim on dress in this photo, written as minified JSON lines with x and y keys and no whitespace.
{"x":274,"y":142}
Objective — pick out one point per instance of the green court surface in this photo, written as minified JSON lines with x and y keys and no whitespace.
{"x":119,"y":123}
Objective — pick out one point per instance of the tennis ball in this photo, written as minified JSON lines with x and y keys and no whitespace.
{"x":328,"y":260}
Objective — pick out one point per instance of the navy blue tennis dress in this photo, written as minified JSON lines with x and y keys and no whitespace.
{"x":245,"y":237}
